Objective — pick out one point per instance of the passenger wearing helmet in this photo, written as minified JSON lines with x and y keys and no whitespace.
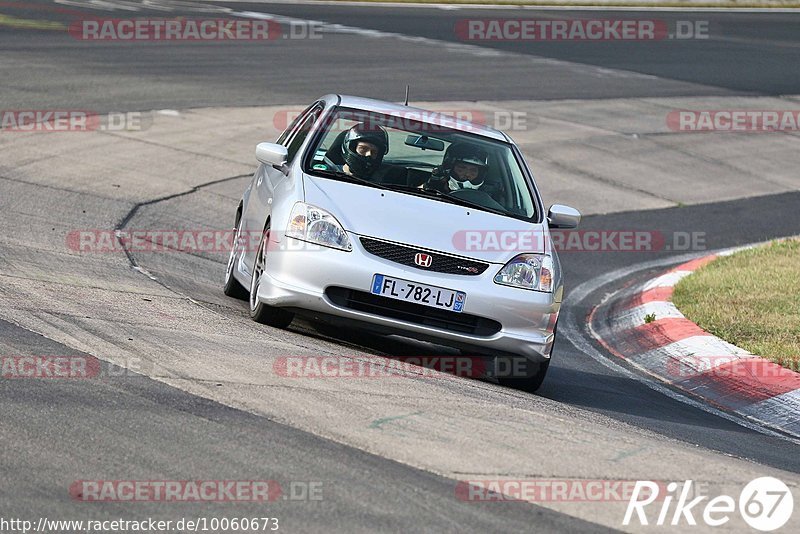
{"x":463,"y":167}
{"x":363,"y":148}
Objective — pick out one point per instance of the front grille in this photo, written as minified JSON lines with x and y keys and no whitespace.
{"x":441,"y":263}
{"x":462,"y":323}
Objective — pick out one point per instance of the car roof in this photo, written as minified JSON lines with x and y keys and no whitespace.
{"x":426,"y":115}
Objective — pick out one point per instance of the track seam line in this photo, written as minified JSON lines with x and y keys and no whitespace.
{"x":168,"y":147}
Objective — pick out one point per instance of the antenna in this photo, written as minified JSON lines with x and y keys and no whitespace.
{"x":406,"y":102}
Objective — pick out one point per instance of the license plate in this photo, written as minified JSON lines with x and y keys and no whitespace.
{"x":435,"y":297}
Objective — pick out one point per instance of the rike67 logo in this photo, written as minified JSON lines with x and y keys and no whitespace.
{"x":765,"y":504}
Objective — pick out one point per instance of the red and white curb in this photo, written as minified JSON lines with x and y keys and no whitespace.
{"x":677,"y":351}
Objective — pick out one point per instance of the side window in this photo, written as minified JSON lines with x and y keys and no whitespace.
{"x":302,"y":132}
{"x":293,"y":126}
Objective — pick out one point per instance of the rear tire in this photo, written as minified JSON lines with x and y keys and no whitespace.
{"x":260,"y":312}
{"x":232,"y":286}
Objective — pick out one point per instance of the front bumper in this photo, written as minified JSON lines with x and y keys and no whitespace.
{"x":298,"y":275}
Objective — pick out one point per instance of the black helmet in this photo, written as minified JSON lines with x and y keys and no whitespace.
{"x":465,"y":153}
{"x":363,"y":166}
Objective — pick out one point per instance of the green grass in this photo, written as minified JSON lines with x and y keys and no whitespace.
{"x":750,"y":299}
{"x":29,"y":24}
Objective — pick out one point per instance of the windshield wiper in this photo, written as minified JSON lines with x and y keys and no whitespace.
{"x":348,"y":178}
{"x":445,"y":197}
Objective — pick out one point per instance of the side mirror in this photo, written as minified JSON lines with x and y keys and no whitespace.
{"x":272,"y":154}
{"x":560,"y":216}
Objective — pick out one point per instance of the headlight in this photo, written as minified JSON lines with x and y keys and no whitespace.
{"x":315,"y":225}
{"x":528,"y":271}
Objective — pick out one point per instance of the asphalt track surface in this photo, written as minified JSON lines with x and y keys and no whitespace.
{"x":56,"y":432}
{"x":744,"y":54}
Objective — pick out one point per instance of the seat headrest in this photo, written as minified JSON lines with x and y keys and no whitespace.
{"x":334,"y":152}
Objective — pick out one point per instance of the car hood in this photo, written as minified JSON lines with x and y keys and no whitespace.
{"x":426,"y":223}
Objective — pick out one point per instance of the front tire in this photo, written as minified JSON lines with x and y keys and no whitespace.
{"x":260,"y":312}
{"x":536,"y":372}
{"x":232,"y":286}
{"x":531,"y":382}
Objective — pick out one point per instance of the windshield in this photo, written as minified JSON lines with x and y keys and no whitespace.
{"x":421,"y":158}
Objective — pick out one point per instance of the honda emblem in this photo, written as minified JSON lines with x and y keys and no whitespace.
{"x":423,"y":260}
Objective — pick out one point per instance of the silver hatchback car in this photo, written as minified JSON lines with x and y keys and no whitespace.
{"x":402,"y":221}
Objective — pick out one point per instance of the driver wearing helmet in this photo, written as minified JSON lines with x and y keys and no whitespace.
{"x":463,"y":167}
{"x":363,"y":148}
